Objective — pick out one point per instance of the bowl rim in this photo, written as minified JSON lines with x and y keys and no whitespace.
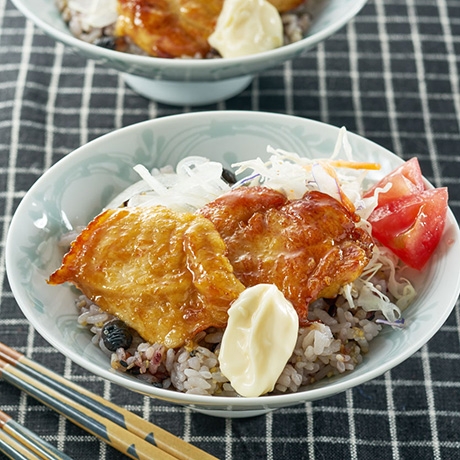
{"x":157,"y":62}
{"x":237,"y":403}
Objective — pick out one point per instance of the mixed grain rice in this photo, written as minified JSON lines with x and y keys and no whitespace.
{"x":332,"y":344}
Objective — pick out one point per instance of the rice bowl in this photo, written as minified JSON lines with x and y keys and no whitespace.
{"x":189,"y":81}
{"x":51,"y":204}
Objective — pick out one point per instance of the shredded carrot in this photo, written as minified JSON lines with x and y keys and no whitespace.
{"x":354,"y":164}
{"x":345,"y":200}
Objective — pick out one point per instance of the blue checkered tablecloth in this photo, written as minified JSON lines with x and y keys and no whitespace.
{"x":393,"y":76}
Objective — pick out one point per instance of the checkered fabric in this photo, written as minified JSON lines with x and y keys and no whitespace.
{"x":391,"y":75}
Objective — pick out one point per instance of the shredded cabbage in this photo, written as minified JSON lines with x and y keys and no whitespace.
{"x":382,"y":274}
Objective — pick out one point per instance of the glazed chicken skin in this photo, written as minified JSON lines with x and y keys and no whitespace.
{"x":309,"y":248}
{"x":169,"y":28}
{"x":162,"y":273}
{"x":175,"y":28}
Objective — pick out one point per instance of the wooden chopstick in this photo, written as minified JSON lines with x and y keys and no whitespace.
{"x":107,"y":431}
{"x":134,"y":424}
{"x":30,"y":440}
{"x":14,"y":449}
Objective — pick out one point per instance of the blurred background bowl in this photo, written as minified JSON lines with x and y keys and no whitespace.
{"x":190,"y":81}
{"x":76,"y":188}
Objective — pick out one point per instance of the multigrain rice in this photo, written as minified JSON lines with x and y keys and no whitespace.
{"x":332,"y":344}
{"x":296,"y":24}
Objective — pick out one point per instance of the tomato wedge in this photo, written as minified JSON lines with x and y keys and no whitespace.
{"x":412,"y":225}
{"x":405,"y":180}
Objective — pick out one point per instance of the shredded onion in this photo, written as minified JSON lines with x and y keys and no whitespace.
{"x":195,"y":182}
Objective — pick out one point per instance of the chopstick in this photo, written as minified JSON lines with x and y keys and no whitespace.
{"x":114,"y":425}
{"x":14,"y":449}
{"x":29,"y":439}
{"x":107,"y":431}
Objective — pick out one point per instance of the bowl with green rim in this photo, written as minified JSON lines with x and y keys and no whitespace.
{"x":191,"y":81}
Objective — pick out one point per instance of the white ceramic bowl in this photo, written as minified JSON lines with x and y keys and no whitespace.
{"x":78,"y":186}
{"x":188,"y":81}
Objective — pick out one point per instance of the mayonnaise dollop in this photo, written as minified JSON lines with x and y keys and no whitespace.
{"x":247,"y":27}
{"x":259,"y":339}
{"x":95,"y":13}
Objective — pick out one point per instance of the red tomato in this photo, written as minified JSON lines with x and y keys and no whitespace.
{"x":405,"y":180}
{"x":412,"y":225}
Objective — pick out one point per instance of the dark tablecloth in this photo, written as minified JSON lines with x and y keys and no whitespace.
{"x":391,"y":75}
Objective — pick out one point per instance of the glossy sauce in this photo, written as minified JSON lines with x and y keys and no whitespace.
{"x":163,"y":273}
{"x":169,"y":28}
{"x":309,"y":248}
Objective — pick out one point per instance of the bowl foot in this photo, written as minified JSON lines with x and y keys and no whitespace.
{"x":232,"y":413}
{"x":187,"y":92}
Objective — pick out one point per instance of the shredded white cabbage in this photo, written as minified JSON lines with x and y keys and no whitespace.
{"x":382,"y":274}
{"x":197,"y":181}
{"x":294,"y":175}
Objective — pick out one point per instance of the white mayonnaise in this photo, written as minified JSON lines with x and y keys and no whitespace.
{"x":95,"y":13}
{"x":259,"y":339}
{"x":247,"y":27}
